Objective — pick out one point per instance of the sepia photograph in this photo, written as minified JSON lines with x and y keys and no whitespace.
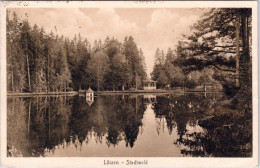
{"x":129,"y":83}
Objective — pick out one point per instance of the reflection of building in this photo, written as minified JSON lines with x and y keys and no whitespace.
{"x":89,"y":96}
{"x":149,"y":99}
{"x":149,"y":84}
{"x":90,"y":100}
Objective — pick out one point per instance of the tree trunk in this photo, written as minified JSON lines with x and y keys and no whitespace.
{"x":36,"y":74}
{"x":245,"y":57}
{"x":135,"y":81}
{"x":37,"y":106}
{"x":136,"y":106}
{"x":237,"y":47}
{"x":48,"y":73}
{"x":244,"y":94}
{"x":14,"y":102}
{"x":29,"y":117}
{"x":13,"y":80}
{"x":98,"y":73}
{"x":48,"y":102}
{"x":98,"y":83}
{"x":28,"y":71}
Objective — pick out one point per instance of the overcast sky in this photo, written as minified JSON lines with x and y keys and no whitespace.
{"x":151,"y":28}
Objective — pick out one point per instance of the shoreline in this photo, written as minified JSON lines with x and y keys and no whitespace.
{"x":73,"y":93}
{"x":43,"y":94}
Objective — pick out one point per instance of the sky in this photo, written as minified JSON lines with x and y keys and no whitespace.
{"x":151,"y":28}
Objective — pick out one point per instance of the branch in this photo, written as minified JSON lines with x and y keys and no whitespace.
{"x":226,"y":46}
{"x":232,"y":52}
{"x":228,"y":70}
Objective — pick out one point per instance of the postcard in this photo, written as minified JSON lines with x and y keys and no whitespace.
{"x":129,"y":84}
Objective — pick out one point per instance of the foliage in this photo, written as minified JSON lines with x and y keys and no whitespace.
{"x":98,"y":67}
{"x":220,"y":40}
{"x":41,"y":62}
{"x":217,"y":50}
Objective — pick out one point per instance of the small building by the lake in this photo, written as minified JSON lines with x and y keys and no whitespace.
{"x":90,"y":96}
{"x":89,"y":93}
{"x":149,"y":84}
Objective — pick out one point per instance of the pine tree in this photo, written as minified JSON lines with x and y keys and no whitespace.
{"x":221,"y":41}
{"x":98,"y":66}
{"x":25,"y":40}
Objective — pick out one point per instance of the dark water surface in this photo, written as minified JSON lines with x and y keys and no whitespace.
{"x":127,"y":125}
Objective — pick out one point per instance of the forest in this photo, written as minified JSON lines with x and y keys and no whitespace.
{"x":216,"y":52}
{"x":40,"y":62}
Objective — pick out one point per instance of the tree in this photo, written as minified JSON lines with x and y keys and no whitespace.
{"x":61,"y":69}
{"x":159,"y":57}
{"x":162,"y":79}
{"x":134,"y":61}
{"x":169,"y":56}
{"x":37,"y":43}
{"x":25,"y":40}
{"x":156,"y":71}
{"x":219,"y":40}
{"x":141,"y":55}
{"x":112,"y":47}
{"x":98,"y":67}
{"x":206,"y":78}
{"x":16,"y":72}
{"x":97,"y":46}
{"x":165,"y":71}
{"x":119,"y":71}
{"x":41,"y":62}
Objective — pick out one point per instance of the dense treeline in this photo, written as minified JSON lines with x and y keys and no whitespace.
{"x":41,"y":62}
{"x":217,"y":51}
{"x":169,"y":73}
{"x":165,"y":72}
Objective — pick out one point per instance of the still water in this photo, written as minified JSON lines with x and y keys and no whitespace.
{"x":126,"y":125}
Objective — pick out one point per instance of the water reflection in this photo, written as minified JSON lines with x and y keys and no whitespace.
{"x":127,"y":125}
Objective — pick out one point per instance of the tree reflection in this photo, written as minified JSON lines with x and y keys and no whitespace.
{"x":38,"y":125}
{"x":44,"y":123}
{"x":227,"y":131}
{"x":126,"y":119}
{"x":226,"y":135}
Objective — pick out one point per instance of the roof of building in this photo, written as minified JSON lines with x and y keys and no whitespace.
{"x":148,"y":81}
{"x":89,"y":90}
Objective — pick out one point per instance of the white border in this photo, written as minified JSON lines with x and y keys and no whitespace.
{"x":152,"y":161}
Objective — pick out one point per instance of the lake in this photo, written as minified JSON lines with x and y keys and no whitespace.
{"x":133,"y":125}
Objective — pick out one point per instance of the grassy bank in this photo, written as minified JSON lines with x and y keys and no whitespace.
{"x":72,"y":93}
{"x":42,"y":94}
{"x":135,"y":91}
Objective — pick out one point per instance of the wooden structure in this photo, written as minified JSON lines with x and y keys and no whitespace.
{"x":149,"y":84}
{"x":90,"y":96}
{"x":89,"y":93}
